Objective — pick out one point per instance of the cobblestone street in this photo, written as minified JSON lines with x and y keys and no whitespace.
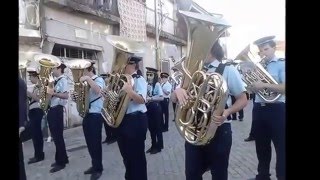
{"x":167,"y":165}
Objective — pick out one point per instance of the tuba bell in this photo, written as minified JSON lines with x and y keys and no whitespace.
{"x":46,"y":64}
{"x":77,"y":68}
{"x":252,"y":70}
{"x":207,"y":91}
{"x":116,"y":101}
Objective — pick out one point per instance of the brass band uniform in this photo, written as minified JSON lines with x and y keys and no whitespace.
{"x":215,"y":154}
{"x":92,"y":121}
{"x":155,"y":117}
{"x":55,"y":117}
{"x":269,"y":118}
{"x":35,"y":116}
{"x":166,"y":88}
{"x":133,"y":128}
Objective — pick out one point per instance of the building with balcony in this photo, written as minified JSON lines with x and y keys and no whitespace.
{"x":73,"y":29}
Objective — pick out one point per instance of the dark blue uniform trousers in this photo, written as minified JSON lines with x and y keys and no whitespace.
{"x":55,"y":121}
{"x":131,"y":137}
{"x":165,"y":112}
{"x":270,"y":126}
{"x":22,"y":172}
{"x":92,"y":129}
{"x":214,"y":155}
{"x":155,"y":120}
{"x":35,"y":116}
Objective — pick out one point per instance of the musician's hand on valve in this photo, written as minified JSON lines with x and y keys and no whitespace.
{"x":257,"y":86}
{"x":84,"y":78}
{"x":181,"y":95}
{"x":127,"y":87}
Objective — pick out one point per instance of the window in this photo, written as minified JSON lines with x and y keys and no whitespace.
{"x":73,"y":52}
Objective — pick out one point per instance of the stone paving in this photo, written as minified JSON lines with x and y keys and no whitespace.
{"x":167,"y":165}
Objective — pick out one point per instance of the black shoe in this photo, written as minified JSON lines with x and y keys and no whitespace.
{"x":155,"y":151}
{"x":165,"y":130}
{"x":110,"y":140}
{"x":35,"y":160}
{"x":241,"y":119}
{"x":57,"y":168}
{"x":95,"y":175}
{"x":54,"y":164}
{"x":249,"y":139}
{"x":89,"y":171}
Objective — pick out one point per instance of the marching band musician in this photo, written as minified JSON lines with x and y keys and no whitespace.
{"x":22,"y":120}
{"x":92,"y":122}
{"x":215,"y":154}
{"x":269,"y":118}
{"x":154,"y":113}
{"x":55,"y":116}
{"x":133,"y":128}
{"x":166,"y":88}
{"x":35,"y":116}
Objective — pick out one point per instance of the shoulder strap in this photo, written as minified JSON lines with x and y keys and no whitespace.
{"x":56,"y":81}
{"x":221,"y":67}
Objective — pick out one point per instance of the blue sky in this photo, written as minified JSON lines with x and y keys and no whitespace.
{"x":250,"y":20}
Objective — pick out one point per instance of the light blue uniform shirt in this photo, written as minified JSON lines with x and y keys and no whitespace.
{"x":97,"y":105}
{"x":60,"y":87}
{"x":167,"y":87}
{"x":232,"y":77}
{"x":276,"y":69}
{"x":157,"y":91}
{"x":140,"y":86}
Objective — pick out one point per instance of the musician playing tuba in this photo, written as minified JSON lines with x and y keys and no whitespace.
{"x":204,"y":123}
{"x":269,"y":117}
{"x":133,"y":128}
{"x":92,"y":121}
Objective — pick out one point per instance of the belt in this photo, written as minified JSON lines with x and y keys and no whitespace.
{"x":268,"y":104}
{"x":134,"y":113}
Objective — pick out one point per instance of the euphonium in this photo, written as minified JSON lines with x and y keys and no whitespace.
{"x":207,"y":91}
{"x":252,"y":70}
{"x":77,"y":68}
{"x":116,"y":101}
{"x":46,"y":63}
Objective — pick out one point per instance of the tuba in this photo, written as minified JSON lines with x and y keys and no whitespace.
{"x":116,"y":101}
{"x":207,"y":91}
{"x":252,"y":69}
{"x":77,"y":68}
{"x":47,"y":63}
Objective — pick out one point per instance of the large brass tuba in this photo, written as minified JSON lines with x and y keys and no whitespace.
{"x":46,"y":63}
{"x":207,"y":91}
{"x":252,"y":70}
{"x":77,"y":68}
{"x":116,"y":101}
